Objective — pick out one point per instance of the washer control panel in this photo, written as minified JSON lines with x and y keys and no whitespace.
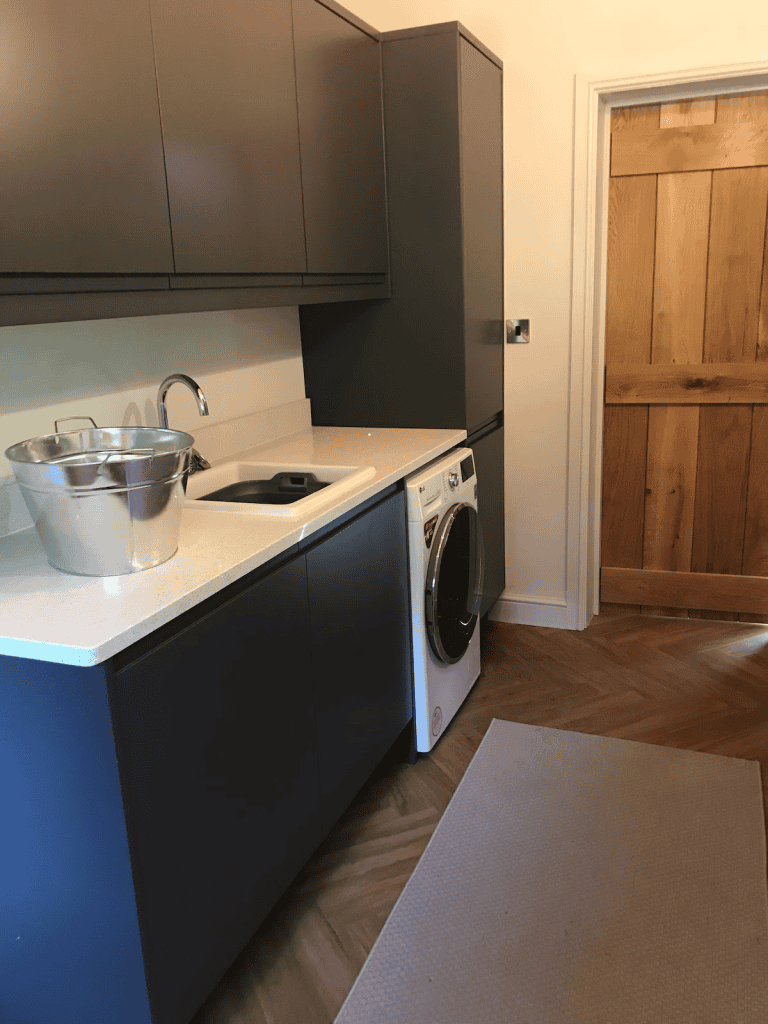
{"x":431,"y":493}
{"x":435,"y":491}
{"x":443,"y":485}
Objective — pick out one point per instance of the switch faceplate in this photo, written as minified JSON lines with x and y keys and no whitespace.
{"x":518,"y":332}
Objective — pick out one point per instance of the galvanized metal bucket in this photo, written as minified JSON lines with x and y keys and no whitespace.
{"x":105,"y":501}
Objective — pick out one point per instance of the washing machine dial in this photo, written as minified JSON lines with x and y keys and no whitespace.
{"x":453,"y":480}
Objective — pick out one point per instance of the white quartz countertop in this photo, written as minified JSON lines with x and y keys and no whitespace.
{"x":50,"y":615}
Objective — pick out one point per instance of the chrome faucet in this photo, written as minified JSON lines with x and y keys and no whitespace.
{"x":197,"y":461}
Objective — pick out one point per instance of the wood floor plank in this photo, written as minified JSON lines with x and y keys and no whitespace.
{"x":689,"y":683}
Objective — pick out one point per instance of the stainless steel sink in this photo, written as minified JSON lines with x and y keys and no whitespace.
{"x":335,"y":480}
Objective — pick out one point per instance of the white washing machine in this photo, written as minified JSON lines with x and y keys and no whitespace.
{"x":446,"y":572}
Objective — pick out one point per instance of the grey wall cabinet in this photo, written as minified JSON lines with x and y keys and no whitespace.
{"x":338,"y":82}
{"x":258,"y":182}
{"x":81,"y":157}
{"x":227,"y":92}
{"x":158,"y":805}
{"x":433,"y":355}
{"x":247,"y":135}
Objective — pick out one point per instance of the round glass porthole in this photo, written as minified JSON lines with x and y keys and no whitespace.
{"x":454,"y":583}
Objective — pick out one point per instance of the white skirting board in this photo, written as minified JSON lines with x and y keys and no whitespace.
{"x":529,"y":611}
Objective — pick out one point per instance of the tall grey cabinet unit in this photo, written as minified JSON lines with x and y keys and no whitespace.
{"x":432,"y":355}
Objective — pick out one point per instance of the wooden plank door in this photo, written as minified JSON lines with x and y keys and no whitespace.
{"x":685,"y":444}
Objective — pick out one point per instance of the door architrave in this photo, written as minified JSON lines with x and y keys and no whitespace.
{"x":593,"y":102}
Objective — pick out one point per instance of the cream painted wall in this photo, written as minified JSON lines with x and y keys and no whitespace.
{"x":543,"y":44}
{"x":244,"y":360}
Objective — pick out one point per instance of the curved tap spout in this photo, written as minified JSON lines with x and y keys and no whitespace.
{"x":194,"y":387}
{"x":197,"y":462}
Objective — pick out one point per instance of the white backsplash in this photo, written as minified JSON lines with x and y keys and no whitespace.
{"x":246,"y":362}
{"x":218,"y":441}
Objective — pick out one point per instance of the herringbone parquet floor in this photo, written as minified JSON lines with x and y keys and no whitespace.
{"x":690,"y":683}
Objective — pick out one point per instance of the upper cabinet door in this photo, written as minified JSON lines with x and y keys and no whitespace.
{"x":338,"y":77}
{"x":482,"y":203}
{"x":83,"y":185}
{"x":227,"y":89}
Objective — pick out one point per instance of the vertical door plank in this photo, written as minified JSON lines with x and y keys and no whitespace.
{"x":736,"y":240}
{"x":736,"y":244}
{"x":755,"y":558}
{"x":624,"y":455}
{"x":682,"y":230}
{"x":628,"y":329}
{"x":629,"y":278}
{"x":670,"y":491}
{"x":721,"y":492}
{"x":762,"y":320}
{"x":631,"y":230}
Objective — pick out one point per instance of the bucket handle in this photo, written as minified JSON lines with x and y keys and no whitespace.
{"x":57,"y":422}
{"x":117,"y":451}
{"x":121,"y":451}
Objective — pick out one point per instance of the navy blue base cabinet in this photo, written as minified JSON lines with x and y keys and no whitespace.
{"x":70,"y":950}
{"x":155,"y":808}
{"x":361,"y":642}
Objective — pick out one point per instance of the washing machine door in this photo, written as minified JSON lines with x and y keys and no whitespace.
{"x":454,"y":586}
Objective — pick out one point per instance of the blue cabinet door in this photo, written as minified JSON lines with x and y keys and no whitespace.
{"x":70,"y":948}
{"x":361,"y":651}
{"x":215,"y":731}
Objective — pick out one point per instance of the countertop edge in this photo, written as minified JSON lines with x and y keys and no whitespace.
{"x":88,"y":657}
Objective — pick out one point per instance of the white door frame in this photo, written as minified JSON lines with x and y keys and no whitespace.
{"x":593,"y":101}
